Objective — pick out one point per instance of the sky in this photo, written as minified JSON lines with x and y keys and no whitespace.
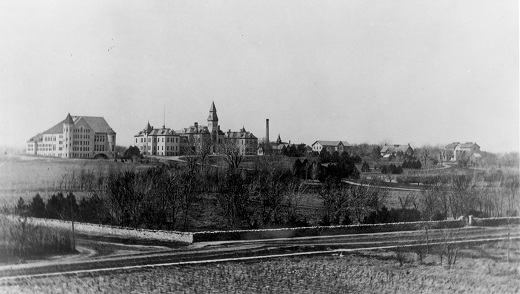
{"x":400,"y":71}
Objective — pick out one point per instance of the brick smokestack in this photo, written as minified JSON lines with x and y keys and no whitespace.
{"x":267,"y":131}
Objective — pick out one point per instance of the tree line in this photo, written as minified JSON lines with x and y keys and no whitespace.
{"x":270,"y":194}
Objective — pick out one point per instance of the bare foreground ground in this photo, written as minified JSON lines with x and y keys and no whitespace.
{"x":480,"y":269}
{"x":113,"y":266}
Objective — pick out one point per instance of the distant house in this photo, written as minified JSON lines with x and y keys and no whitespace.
{"x":395,"y":149}
{"x":330,"y":146}
{"x":475,"y":158}
{"x":449,"y":151}
{"x":456,"y":150}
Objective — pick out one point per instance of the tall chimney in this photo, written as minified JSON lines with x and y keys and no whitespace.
{"x":267,"y":131}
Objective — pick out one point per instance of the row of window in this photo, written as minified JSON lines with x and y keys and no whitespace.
{"x":156,"y":140}
{"x":99,"y":147}
{"x":81,"y":148}
{"x":81,"y":130}
{"x":99,"y":138}
{"x":46,"y":148}
{"x":80,"y":155}
{"x":155,"y":148}
{"x":82,"y":143}
{"x":166,"y":153}
{"x":81,"y":136}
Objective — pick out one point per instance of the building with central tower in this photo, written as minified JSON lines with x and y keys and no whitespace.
{"x":166,"y":142}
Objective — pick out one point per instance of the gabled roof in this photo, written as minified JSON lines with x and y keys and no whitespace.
{"x":468,"y":145}
{"x":395,"y":148}
{"x":97,"y":124}
{"x":328,"y":143}
{"x":58,"y":128}
{"x":452,"y":145}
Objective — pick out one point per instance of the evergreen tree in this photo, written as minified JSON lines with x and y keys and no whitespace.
{"x":335,"y":157}
{"x":284,"y":150}
{"x":37,"y":207}
{"x":324,"y":156}
{"x":365,"y":167}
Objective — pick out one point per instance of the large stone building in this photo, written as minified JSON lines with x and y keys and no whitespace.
{"x":162,"y":142}
{"x":246,"y":142}
{"x":166,"y":142}
{"x":75,"y":137}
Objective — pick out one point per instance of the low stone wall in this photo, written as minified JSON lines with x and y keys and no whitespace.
{"x":495,"y":221}
{"x":169,"y":236}
{"x":105,"y":230}
{"x":322,"y":231}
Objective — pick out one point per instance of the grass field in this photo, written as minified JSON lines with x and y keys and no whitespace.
{"x":480,"y":269}
{"x":24,"y":176}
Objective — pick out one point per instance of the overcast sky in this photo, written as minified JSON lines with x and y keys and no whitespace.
{"x":409,"y":71}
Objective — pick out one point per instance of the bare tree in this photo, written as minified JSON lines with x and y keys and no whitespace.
{"x":335,"y":198}
{"x":232,"y":153}
{"x":293,"y":197}
{"x":365,"y":199}
{"x":201,"y":151}
{"x":232,"y":197}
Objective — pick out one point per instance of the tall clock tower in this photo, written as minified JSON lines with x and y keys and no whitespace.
{"x":213,"y":122}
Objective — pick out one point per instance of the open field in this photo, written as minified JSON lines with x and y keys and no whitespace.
{"x":479,"y":269}
{"x":24,"y":176}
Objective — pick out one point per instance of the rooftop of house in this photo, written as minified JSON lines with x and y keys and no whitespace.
{"x":467,"y":145}
{"x":452,"y":145}
{"x":330,"y":143}
{"x":395,"y":148}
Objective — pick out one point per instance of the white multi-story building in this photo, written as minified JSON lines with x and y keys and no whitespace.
{"x":75,"y":137}
{"x":162,"y":142}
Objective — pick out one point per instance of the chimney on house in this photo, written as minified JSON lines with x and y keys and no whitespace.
{"x":267,"y":131}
